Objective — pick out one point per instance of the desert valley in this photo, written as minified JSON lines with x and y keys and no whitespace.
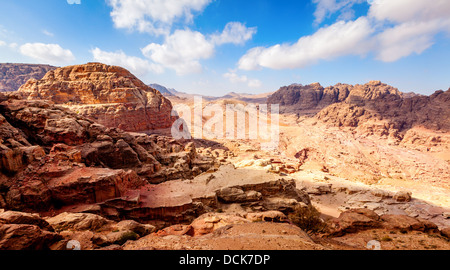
{"x":88,"y":157}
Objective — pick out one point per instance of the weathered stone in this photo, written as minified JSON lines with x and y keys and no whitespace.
{"x":402,"y":222}
{"x":237,"y":195}
{"x":77,"y":221}
{"x":12,"y":217}
{"x":109,"y":95}
{"x":26,"y":237}
{"x":402,"y":196}
{"x":114,"y":238}
{"x":446,"y":232}
{"x":353,"y":221}
{"x":131,"y":225}
{"x":268,"y":216}
{"x":12,"y":76}
{"x":210,"y":222}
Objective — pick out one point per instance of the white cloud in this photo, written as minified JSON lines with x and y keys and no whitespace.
{"x":153,"y":16}
{"x":416,"y":26}
{"x":47,"y":33}
{"x":401,"y":11}
{"x":71,"y":2}
{"x":341,"y":38}
{"x":47,"y":53}
{"x":135,"y":65}
{"x":391,"y":30}
{"x":234,"y":78}
{"x":235,"y":33}
{"x":326,"y":8}
{"x":181,"y":51}
{"x":405,"y":39}
{"x":2,"y":43}
{"x":13,"y":45}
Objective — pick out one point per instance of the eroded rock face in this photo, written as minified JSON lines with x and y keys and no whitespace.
{"x":312,"y":98}
{"x":109,"y":95}
{"x":392,"y":115}
{"x":12,"y":76}
{"x":52,"y":158}
{"x":356,"y":220}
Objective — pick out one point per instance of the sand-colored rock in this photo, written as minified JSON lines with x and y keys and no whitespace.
{"x":109,"y":95}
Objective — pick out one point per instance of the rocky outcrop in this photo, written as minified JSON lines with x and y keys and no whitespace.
{"x":162,"y":89}
{"x":392,"y":115}
{"x":12,"y":76}
{"x":108,"y":95}
{"x":312,"y":98}
{"x":53,"y":158}
{"x":356,"y":220}
{"x":374,"y":108}
{"x":23,"y":231}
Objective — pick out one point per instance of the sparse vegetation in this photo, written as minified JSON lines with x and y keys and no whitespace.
{"x":308,"y":219}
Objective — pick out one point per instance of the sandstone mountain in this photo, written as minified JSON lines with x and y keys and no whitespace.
{"x":12,"y":76}
{"x":392,"y":113}
{"x":109,"y":95}
{"x":372,"y":108}
{"x":312,"y":98}
{"x":162,"y":89}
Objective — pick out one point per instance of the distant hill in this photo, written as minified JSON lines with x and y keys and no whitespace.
{"x":164,"y":90}
{"x":172,"y":93}
{"x":12,"y":76}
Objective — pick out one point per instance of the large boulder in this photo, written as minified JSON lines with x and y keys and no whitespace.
{"x":210,"y":222}
{"x":77,"y":221}
{"x":13,"y":217}
{"x":353,"y":221}
{"x":26,"y":237}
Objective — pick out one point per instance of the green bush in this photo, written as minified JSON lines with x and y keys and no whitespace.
{"x":308,"y":219}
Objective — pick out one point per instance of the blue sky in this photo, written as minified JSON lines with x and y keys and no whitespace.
{"x":213,"y":47}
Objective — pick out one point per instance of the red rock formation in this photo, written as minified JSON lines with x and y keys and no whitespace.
{"x":12,"y":76}
{"x":109,"y":95}
{"x":312,"y":98}
{"x":391,"y":114}
{"x":51,"y":157}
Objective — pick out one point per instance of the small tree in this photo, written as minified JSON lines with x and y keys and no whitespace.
{"x":308,"y":219}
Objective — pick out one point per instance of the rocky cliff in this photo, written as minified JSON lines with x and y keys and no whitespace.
{"x":392,"y":115}
{"x":51,"y":157}
{"x":12,"y":76}
{"x":312,"y":98}
{"x":109,"y":95}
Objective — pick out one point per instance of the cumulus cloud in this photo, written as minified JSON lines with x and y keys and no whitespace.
{"x":135,"y":65}
{"x":390,"y":31}
{"x":341,"y":38}
{"x":401,"y":11}
{"x":326,"y":8}
{"x":47,"y":53}
{"x":405,"y":39}
{"x":415,"y":27}
{"x":183,"y":50}
{"x":235,"y":33}
{"x":235,"y":78}
{"x":153,"y":16}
